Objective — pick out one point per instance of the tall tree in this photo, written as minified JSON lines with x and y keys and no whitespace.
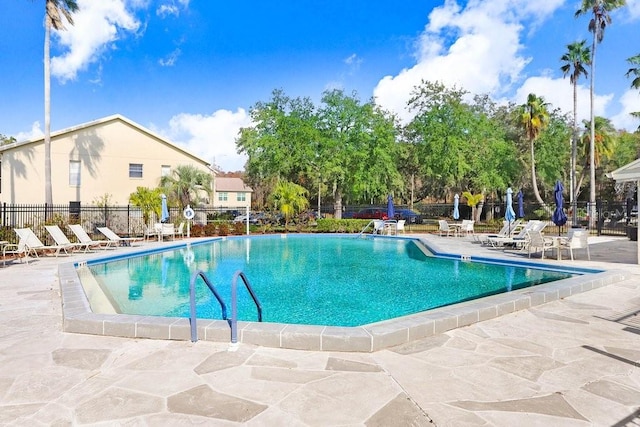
{"x":186,"y":184}
{"x":54,"y":11}
{"x":534,"y":117}
{"x":635,"y":83}
{"x":597,"y":24}
{"x":574,"y":60}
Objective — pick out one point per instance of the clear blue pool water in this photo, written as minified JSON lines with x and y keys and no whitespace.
{"x":307,"y":279}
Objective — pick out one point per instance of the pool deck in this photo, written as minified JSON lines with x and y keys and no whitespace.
{"x":572,"y":361}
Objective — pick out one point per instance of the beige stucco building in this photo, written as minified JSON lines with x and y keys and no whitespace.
{"x":110,"y":156}
{"x":231,"y":193}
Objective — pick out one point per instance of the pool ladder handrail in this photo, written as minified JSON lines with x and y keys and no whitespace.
{"x":233,"y":322}
{"x":234,"y":303}
{"x":192,"y":301}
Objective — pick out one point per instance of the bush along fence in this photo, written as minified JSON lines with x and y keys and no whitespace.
{"x":613,"y":218}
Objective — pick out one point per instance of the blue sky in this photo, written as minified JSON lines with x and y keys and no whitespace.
{"x":190,"y":70}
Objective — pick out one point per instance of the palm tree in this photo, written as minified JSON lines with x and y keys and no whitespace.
{"x":534,"y":117}
{"x":289,"y":198}
{"x":635,"y":71}
{"x":574,"y":59}
{"x":54,"y":10}
{"x":148,"y":200}
{"x":598,"y":23}
{"x":185,"y":185}
{"x":603,"y":146}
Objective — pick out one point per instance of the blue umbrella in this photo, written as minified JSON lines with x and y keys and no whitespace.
{"x":456,"y":212}
{"x":165,"y":211}
{"x":391,"y":212}
{"x":520,"y":204}
{"x":559,"y":218}
{"x":509,"y":214}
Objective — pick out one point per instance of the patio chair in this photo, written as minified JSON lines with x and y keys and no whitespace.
{"x":35,"y":246}
{"x":19,"y":250}
{"x":400,"y":225}
{"x":179,"y":231}
{"x":378,"y":226}
{"x":578,"y":239}
{"x":467,"y":227}
{"x":122,"y":241}
{"x":536,"y":242}
{"x":444,"y":227}
{"x":85,"y":239}
{"x":61,"y":239}
{"x":151,"y":231}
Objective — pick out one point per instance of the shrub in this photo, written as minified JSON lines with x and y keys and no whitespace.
{"x":223,"y":229}
{"x":210,"y":230}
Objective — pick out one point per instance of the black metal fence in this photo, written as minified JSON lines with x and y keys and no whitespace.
{"x":124,"y":220}
{"x":612,"y":218}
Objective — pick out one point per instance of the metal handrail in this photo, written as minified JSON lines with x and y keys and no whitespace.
{"x":192,"y":301}
{"x":234,"y":303}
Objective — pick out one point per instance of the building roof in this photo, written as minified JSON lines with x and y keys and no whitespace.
{"x":231,"y":185}
{"x":115,"y":117}
{"x":628,"y":172}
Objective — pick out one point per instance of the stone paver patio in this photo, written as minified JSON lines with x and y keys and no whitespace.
{"x":570,"y":362}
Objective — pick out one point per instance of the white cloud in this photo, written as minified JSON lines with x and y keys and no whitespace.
{"x":34,"y":133}
{"x":96,"y":25}
{"x":633,"y":6}
{"x":171,"y":8}
{"x":171,"y":59}
{"x":476,"y":48}
{"x":630,"y":102}
{"x":211,"y":137}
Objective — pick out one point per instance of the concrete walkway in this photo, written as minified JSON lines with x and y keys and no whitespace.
{"x":572,"y":362}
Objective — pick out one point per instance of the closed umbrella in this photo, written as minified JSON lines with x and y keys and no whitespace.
{"x":520,"y":204}
{"x":509,"y":214}
{"x":456,"y":212}
{"x":391,"y":212}
{"x":164,"y":216}
{"x":559,"y":218}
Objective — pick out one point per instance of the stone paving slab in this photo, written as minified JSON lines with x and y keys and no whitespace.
{"x":570,"y":362}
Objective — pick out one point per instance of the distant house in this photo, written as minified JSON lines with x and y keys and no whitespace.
{"x":231,"y":193}
{"x":110,"y":156}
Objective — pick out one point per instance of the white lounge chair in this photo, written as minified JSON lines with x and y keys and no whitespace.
{"x":84,"y":238}
{"x":519,"y":239}
{"x":60,"y":238}
{"x":35,"y":246}
{"x":507,"y":230}
{"x":122,"y":241}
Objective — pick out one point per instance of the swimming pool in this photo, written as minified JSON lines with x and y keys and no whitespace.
{"x":79,"y":316}
{"x":308,"y":279}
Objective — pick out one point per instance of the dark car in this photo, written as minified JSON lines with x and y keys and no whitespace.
{"x":371,"y":213}
{"x":408,"y":215}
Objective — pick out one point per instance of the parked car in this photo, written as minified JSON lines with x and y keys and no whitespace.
{"x":411,"y":217}
{"x":371,"y":213}
{"x":254,"y":218}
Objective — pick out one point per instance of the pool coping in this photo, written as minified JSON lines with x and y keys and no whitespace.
{"x":79,"y":318}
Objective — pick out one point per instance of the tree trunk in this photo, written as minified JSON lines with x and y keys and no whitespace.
{"x":337,"y":205}
{"x":533,"y":175}
{"x":574,"y":155}
{"x":592,"y":142}
{"x":48,"y":192}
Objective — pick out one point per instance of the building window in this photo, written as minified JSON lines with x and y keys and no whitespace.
{"x":135,"y":170}
{"x":74,"y":173}
{"x":222,"y":197}
{"x":165,"y":170}
{"x":241,"y":197}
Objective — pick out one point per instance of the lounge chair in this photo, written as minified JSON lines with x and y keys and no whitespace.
{"x":84,"y":238}
{"x":61,"y":239}
{"x":507,"y":230}
{"x":519,"y":239}
{"x":35,"y":246}
{"x":122,"y":241}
